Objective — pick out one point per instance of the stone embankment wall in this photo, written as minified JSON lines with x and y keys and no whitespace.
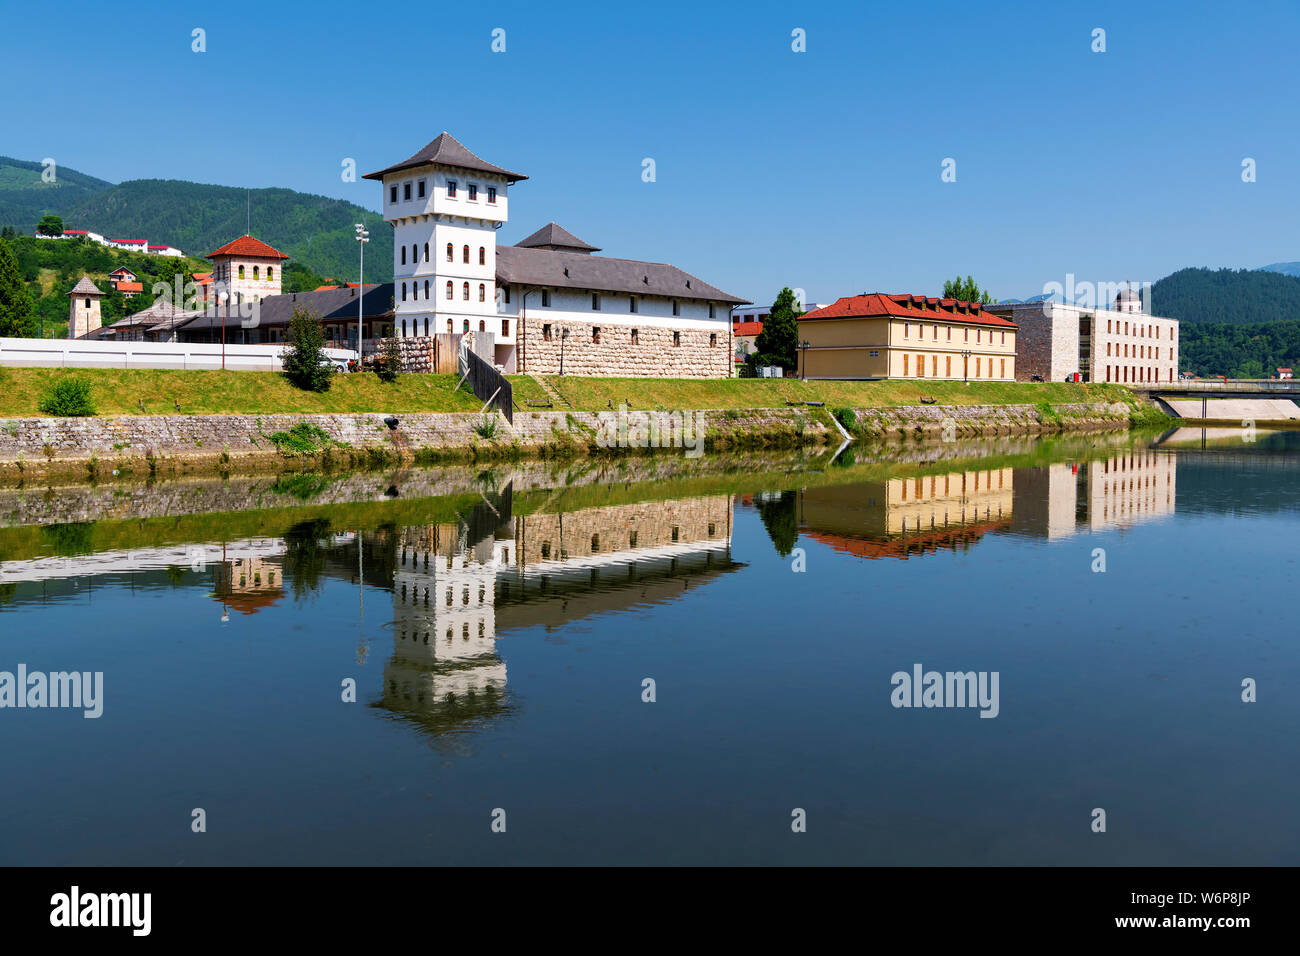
{"x":30,"y":447}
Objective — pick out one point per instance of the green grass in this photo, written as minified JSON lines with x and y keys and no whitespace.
{"x":593,"y":394}
{"x":120,"y":392}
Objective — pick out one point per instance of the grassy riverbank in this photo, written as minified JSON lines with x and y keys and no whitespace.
{"x":161,"y":391}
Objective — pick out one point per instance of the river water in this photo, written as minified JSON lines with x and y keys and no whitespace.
{"x":611,"y":663}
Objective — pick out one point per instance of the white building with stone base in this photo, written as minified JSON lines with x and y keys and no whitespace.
{"x":550,"y":305}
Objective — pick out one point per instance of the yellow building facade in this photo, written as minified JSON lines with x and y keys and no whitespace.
{"x":906,"y":336}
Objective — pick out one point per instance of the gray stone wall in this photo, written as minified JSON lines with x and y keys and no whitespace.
{"x":698,"y":353}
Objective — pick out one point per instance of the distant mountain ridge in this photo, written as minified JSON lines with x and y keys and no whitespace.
{"x":314,"y":231}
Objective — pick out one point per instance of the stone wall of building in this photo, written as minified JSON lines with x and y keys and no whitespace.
{"x":595,"y":531}
{"x":658,"y":352}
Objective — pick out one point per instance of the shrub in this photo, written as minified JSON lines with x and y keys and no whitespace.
{"x":846,"y":417}
{"x":68,"y":398}
{"x":301,"y":439}
{"x":305,"y":364}
{"x":390,"y":362}
{"x":486,"y":428}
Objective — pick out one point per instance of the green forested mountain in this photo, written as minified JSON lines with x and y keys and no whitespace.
{"x":1239,"y":351}
{"x":25,"y":197}
{"x":1233,"y":296}
{"x":314,"y":231}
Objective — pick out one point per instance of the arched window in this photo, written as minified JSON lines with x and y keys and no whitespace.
{"x":403,"y":255}
{"x":415,"y":291}
{"x":450,"y":254}
{"x":464,"y":255}
{"x":449,"y":296}
{"x":426,"y":325}
{"x":241,"y":272}
{"x":482,"y":326}
{"x":464,"y":292}
{"x":403,"y":328}
{"x":482,"y":292}
{"x":403,"y":291}
{"x":415,"y":253}
{"x":449,"y":325}
{"x":255,"y":270}
{"x":482,"y":256}
{"x":426,"y":288}
{"x":426,"y":252}
{"x":270,"y":273}
{"x":466,"y":325}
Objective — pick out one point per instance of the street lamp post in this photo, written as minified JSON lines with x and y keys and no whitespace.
{"x":363,"y":236}
{"x":225,"y":313}
{"x":803,"y":366}
{"x":965,"y":365}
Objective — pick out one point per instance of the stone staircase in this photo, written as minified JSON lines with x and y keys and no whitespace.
{"x":551,"y":392}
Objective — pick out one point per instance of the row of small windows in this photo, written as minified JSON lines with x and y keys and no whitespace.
{"x":633,"y":304}
{"x":1139,"y":351}
{"x":1132,"y":373}
{"x":634,"y":337}
{"x":450,"y":294}
{"x":1141,"y":331}
{"x":980,"y":370}
{"x":482,"y":327}
{"x":451,"y":254}
{"x":420,"y":189}
{"x":920,"y":331}
{"x":270,"y":272}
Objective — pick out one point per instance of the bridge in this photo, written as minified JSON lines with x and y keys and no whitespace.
{"x":1255,"y":400}
{"x":1222,"y":388}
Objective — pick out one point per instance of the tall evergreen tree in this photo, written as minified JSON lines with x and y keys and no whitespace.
{"x":778,"y":343}
{"x":17,"y":312}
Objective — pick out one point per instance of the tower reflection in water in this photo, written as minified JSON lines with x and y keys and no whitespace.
{"x":459,"y":586}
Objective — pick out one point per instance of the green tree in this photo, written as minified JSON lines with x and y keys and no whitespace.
{"x":780,"y":518}
{"x":390,"y":363}
{"x":17,"y":313}
{"x":778,"y":343}
{"x":304,"y":361}
{"x":50,"y":226}
{"x":965,"y":291}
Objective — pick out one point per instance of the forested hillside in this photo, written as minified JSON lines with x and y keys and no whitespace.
{"x":1235,"y":296}
{"x":1239,"y":351}
{"x":316,"y":232}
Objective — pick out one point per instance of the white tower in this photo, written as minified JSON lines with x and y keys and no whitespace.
{"x":83,"y":309}
{"x":1128,"y":300}
{"x":445,"y":205}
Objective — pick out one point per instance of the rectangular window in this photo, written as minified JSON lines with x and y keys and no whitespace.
{"x":677,"y":308}
{"x":712,"y":313}
{"x":904,"y":363}
{"x":874,"y":353}
{"x":451,"y":189}
{"x":934,"y":365}
{"x":636,"y":337}
{"x":936,"y":333}
{"x":595,"y":334}
{"x":406,"y":191}
{"x":505,"y":328}
{"x":907,"y":330}
{"x":546,"y":333}
{"x":392,"y":194}
{"x":595,"y":302}
{"x":492,"y":195}
{"x":505,"y":292}
{"x":419,"y":189}
{"x":677,"y":338}
{"x":473,"y":192}
{"x":965,"y":335}
{"x":1004,"y":368}
{"x":949,"y":333}
{"x":631,"y":304}
{"x":713,"y":339}
{"x":947,"y":366}
{"x":546,"y":298}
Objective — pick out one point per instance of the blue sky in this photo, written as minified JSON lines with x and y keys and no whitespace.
{"x":819,"y":170}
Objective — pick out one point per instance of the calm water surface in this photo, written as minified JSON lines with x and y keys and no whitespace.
{"x":499,"y":642}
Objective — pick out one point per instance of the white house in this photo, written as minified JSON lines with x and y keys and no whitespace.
{"x":548,"y":304}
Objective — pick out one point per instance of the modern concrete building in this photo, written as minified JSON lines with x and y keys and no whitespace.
{"x":1123,"y":344}
{"x":906,"y":336}
{"x":548,"y":302}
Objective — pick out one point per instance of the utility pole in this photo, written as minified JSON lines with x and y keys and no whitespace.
{"x":363,"y":236}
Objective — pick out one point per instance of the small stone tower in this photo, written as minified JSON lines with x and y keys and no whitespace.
{"x":83,"y":312}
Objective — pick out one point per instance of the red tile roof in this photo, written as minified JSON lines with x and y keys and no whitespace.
{"x":747,"y":328}
{"x":74,"y":232}
{"x":130,"y":287}
{"x":248,"y":246}
{"x":202,"y":278}
{"x":917,"y":307}
{"x":131,"y":242}
{"x":159,"y":247}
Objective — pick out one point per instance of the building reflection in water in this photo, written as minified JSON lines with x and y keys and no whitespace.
{"x":907,"y":517}
{"x":459,"y":586}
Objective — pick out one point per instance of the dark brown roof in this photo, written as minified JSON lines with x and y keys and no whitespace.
{"x":333,"y":305}
{"x":446,"y":150}
{"x":85,"y":287}
{"x":578,"y":270}
{"x":554,"y":236}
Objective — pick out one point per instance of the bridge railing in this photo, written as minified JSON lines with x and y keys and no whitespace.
{"x":1231,"y":385}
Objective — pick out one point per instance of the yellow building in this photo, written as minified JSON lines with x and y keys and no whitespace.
{"x":906,"y":336}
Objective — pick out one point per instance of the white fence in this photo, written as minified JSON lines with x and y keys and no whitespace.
{"x":90,"y":353}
